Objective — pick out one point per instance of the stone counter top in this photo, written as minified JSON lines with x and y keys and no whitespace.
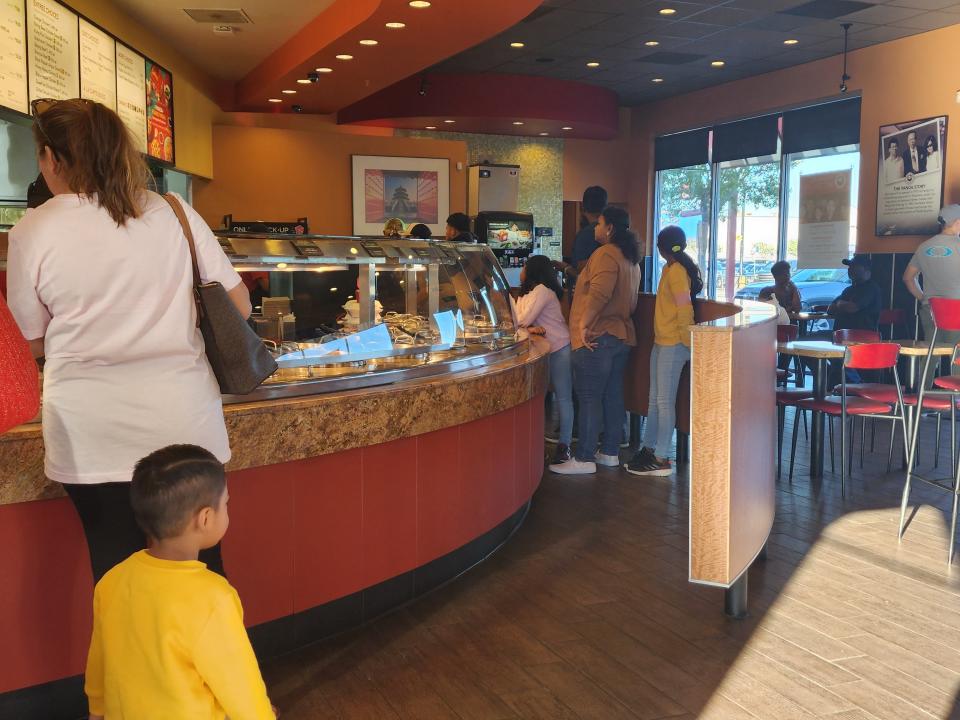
{"x":277,"y":431}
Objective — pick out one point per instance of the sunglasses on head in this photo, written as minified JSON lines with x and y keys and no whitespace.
{"x":40,"y":106}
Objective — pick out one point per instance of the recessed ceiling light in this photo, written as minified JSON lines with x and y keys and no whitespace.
{"x":396,"y":25}
{"x":718,"y":63}
{"x":289,"y":92}
{"x":593,"y":64}
{"x":430,"y":127}
{"x":344,"y":56}
{"x":657,"y":80}
{"x":324,"y":70}
{"x":274,"y":100}
{"x":668,"y":11}
{"x":419,"y":4}
{"x":566,"y":127}
{"x":303,"y":81}
{"x":518,"y":122}
{"x":791,"y":41}
{"x":544,"y":134}
{"x":449,"y":122}
{"x":652,"y":43}
{"x":369,"y":42}
{"x":517,"y":44}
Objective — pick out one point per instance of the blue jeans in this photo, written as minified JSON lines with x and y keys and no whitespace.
{"x":598,"y":378}
{"x":666,"y":364}
{"x":561,"y":378}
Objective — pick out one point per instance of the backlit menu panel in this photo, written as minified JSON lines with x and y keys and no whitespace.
{"x":13,"y":56}
{"x":53,"y":52}
{"x":131,"y":94}
{"x":98,"y":65}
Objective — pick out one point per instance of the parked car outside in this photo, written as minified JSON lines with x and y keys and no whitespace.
{"x":817,"y":286}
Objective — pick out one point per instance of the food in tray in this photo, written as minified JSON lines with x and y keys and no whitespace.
{"x":351,"y":318}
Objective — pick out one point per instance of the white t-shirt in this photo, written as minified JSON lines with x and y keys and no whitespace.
{"x":125,"y":372}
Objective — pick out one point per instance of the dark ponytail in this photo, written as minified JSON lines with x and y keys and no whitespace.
{"x":622,"y":237}
{"x":672,"y":242}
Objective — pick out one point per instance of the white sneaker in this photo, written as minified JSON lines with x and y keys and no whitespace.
{"x":608,"y":460}
{"x":574,"y":467}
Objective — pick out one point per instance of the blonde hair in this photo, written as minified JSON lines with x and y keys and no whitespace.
{"x":97,"y":154}
{"x":393,"y":226}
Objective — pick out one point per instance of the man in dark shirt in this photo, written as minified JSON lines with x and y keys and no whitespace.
{"x":857,"y":307}
{"x":594,"y":201}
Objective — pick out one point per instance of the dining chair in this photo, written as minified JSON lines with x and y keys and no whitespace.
{"x":946,"y":318}
{"x":785,"y":334}
{"x":847,"y":407}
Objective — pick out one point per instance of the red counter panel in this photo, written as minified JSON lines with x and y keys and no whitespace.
{"x":301,"y":534}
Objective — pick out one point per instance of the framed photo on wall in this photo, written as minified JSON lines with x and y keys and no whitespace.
{"x":912,"y":158}
{"x":416,"y":190}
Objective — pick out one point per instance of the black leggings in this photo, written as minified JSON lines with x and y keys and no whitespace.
{"x":111,"y":529}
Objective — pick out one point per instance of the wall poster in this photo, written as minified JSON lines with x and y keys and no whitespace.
{"x":159,"y":112}
{"x":910,"y":176}
{"x":416,"y":190}
{"x":824,"y":232}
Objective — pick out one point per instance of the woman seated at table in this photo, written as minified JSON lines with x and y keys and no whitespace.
{"x":787,"y":293}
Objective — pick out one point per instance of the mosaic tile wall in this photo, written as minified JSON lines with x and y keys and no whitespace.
{"x":541,"y":169}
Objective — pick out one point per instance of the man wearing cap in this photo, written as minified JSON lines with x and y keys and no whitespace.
{"x":938,"y":261}
{"x":857,"y":307}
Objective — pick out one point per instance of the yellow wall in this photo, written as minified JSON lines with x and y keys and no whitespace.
{"x":193,"y":107}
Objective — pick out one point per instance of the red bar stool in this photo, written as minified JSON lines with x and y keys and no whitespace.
{"x":870,"y":356}
{"x":946,"y":317}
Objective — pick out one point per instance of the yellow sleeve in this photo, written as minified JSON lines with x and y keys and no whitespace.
{"x":680,"y":290}
{"x":93,"y":683}
{"x":225,"y":660}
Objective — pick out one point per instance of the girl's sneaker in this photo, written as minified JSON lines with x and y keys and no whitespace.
{"x":646,"y":463}
{"x":561,"y":454}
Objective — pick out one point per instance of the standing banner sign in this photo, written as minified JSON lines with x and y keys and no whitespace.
{"x":824,"y":238}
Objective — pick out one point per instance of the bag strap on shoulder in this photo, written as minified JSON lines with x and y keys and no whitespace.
{"x":188,"y":233}
{"x":185,"y":226}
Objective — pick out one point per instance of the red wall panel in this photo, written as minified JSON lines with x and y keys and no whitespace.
{"x":438,"y":494}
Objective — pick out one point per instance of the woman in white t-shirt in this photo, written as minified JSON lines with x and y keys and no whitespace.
{"x":100,"y":282}
{"x":538,"y":309}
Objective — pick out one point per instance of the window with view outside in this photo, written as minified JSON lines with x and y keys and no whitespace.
{"x":684,"y":195}
{"x":748,"y":224}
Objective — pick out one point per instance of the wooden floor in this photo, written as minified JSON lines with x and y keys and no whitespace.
{"x":587,"y":613}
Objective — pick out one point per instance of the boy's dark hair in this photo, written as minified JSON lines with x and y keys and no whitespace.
{"x":459,"y":222}
{"x":171,"y":484}
{"x":594,"y":199}
{"x":779,"y":268}
{"x":420,"y":231}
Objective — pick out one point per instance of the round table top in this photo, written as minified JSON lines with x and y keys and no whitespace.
{"x":824,"y":349}
{"x":812,"y":349}
{"x":919,"y":348}
{"x":807,"y":315}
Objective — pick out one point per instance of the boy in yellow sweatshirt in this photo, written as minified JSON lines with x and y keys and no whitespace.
{"x":168,"y":636}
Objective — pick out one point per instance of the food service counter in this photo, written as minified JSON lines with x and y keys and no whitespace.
{"x":344,"y":505}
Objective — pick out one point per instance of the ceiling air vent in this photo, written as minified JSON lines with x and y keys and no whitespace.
{"x":219,"y":16}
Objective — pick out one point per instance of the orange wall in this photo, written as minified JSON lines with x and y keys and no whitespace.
{"x":599,"y":162}
{"x":894,"y":89}
{"x":304,"y":169}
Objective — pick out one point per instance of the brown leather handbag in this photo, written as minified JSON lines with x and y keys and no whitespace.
{"x":237,"y":356}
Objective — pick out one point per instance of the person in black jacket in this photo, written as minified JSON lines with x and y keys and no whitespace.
{"x":914,"y":157}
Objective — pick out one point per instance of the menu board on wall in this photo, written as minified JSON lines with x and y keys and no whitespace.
{"x":98,"y":65}
{"x":159,"y":112}
{"x":13,"y":56}
{"x":131,"y":98}
{"x":53,"y":62}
